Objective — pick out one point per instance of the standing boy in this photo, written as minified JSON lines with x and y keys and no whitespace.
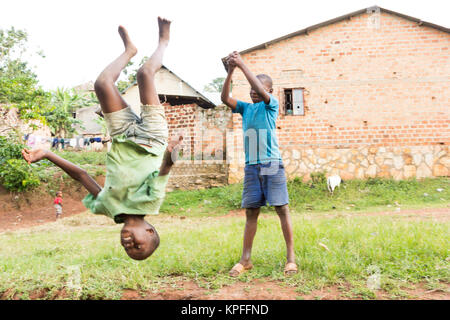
{"x":57,"y":203}
{"x":140,"y":159}
{"x":265,"y":179}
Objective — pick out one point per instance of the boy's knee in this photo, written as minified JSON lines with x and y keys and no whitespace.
{"x":145,"y":72}
{"x":102,"y":83}
{"x":252,"y":213}
{"x":282,"y":210}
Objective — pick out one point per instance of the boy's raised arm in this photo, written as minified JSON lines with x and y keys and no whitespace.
{"x":252,"y":79}
{"x":225,"y":96}
{"x":72,"y":170}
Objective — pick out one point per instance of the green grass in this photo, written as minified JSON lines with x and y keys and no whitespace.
{"x":81,"y":158}
{"x":204,"y":249}
{"x":51,"y":176}
{"x":354,"y":195}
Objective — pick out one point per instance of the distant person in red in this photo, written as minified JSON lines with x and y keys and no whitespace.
{"x":58,"y":204}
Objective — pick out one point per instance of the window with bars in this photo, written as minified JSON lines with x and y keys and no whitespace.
{"x":293,"y":102}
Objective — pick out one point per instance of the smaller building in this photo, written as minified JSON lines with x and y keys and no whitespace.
{"x":39,"y":134}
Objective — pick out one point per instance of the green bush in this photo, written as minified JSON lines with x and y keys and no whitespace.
{"x":9,"y":148}
{"x":15,"y":173}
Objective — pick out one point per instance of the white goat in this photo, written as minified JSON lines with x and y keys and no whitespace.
{"x":333,"y":182}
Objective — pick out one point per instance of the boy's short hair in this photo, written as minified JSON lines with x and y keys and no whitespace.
{"x":264,"y":78}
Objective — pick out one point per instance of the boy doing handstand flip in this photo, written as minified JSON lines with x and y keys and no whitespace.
{"x":137,"y":165}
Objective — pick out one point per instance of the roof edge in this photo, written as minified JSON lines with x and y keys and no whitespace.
{"x":340,"y":18}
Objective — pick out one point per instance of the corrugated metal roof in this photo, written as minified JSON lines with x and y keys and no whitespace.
{"x":347,"y":16}
{"x":201,"y":100}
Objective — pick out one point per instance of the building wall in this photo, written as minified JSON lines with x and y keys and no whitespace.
{"x":187,"y":175}
{"x":88,"y":117}
{"x":376,"y":96}
{"x":10,"y":121}
{"x":204,"y":130}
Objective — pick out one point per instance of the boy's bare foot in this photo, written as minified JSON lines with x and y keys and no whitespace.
{"x":129,"y":46}
{"x":164,"y":30}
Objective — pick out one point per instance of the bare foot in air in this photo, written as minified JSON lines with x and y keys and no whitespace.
{"x":129,"y":46}
{"x":164,"y":30}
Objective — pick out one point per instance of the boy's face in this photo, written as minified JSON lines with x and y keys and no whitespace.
{"x":255,"y":96}
{"x":139,"y":241}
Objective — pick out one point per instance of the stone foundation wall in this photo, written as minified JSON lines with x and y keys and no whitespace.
{"x":188,"y":175}
{"x":366,"y":162}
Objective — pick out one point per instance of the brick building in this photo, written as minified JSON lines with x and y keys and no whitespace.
{"x":362,"y":95}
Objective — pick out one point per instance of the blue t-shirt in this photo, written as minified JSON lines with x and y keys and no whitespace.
{"x":258,"y":123}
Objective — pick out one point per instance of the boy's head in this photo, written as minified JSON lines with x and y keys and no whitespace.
{"x":139,"y":239}
{"x":267,"y":84}
{"x":59,"y":194}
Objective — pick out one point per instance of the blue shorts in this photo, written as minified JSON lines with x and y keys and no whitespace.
{"x":264,"y":183}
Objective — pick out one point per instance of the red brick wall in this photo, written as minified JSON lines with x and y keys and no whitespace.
{"x":204,"y":130}
{"x":181,"y":120}
{"x":364,"y":86}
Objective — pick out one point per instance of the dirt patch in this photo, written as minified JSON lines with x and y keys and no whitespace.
{"x":24,"y":210}
{"x":260,"y":289}
{"x":434,"y":214}
{"x":265,"y":289}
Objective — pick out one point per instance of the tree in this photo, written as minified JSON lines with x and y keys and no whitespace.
{"x":63,"y":103}
{"x":18,"y":83}
{"x":215,"y":85}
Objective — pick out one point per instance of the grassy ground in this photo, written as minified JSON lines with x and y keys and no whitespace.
{"x":205,"y":245}
{"x":355,"y":195}
{"x":49,"y":257}
{"x":81,"y":158}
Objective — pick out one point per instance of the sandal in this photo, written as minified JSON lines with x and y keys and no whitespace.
{"x":239,"y":269}
{"x":290,"y":268}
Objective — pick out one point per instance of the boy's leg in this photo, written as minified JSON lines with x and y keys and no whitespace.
{"x":275,"y":189}
{"x":286,"y":226}
{"x":249,"y":234}
{"x":252,"y":199}
{"x":107,"y":93}
{"x":146,"y":74}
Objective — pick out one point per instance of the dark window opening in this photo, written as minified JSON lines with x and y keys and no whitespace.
{"x":293,"y":102}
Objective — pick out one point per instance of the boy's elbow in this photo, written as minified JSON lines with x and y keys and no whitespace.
{"x":82,"y":174}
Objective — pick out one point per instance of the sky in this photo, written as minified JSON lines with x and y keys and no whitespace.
{"x":79,"y":38}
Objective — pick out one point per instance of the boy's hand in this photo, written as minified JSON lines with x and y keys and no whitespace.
{"x":32,"y":156}
{"x":174,"y":144}
{"x":235,"y":59}
{"x":229,"y":65}
{"x":170,"y":156}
